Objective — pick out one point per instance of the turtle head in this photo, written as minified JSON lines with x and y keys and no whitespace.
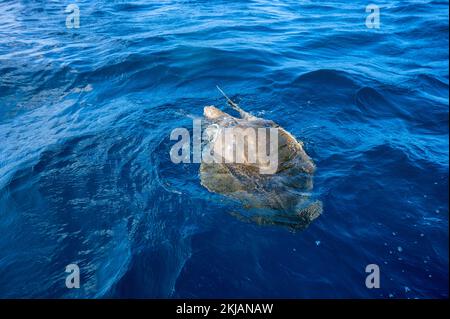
{"x":212,"y":113}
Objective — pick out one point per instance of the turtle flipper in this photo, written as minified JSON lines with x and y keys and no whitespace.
{"x":299,"y":221}
{"x":312,"y":211}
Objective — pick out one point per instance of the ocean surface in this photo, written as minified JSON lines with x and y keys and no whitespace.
{"x":86,"y":177}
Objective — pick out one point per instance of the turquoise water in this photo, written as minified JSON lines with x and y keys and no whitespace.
{"x":85,"y":172}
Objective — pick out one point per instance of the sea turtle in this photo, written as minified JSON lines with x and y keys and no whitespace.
{"x":281,"y":197}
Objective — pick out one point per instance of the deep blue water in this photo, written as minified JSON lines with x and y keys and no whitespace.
{"x":85,"y":173}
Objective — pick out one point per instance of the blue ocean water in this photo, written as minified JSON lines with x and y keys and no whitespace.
{"x":85,"y":172}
